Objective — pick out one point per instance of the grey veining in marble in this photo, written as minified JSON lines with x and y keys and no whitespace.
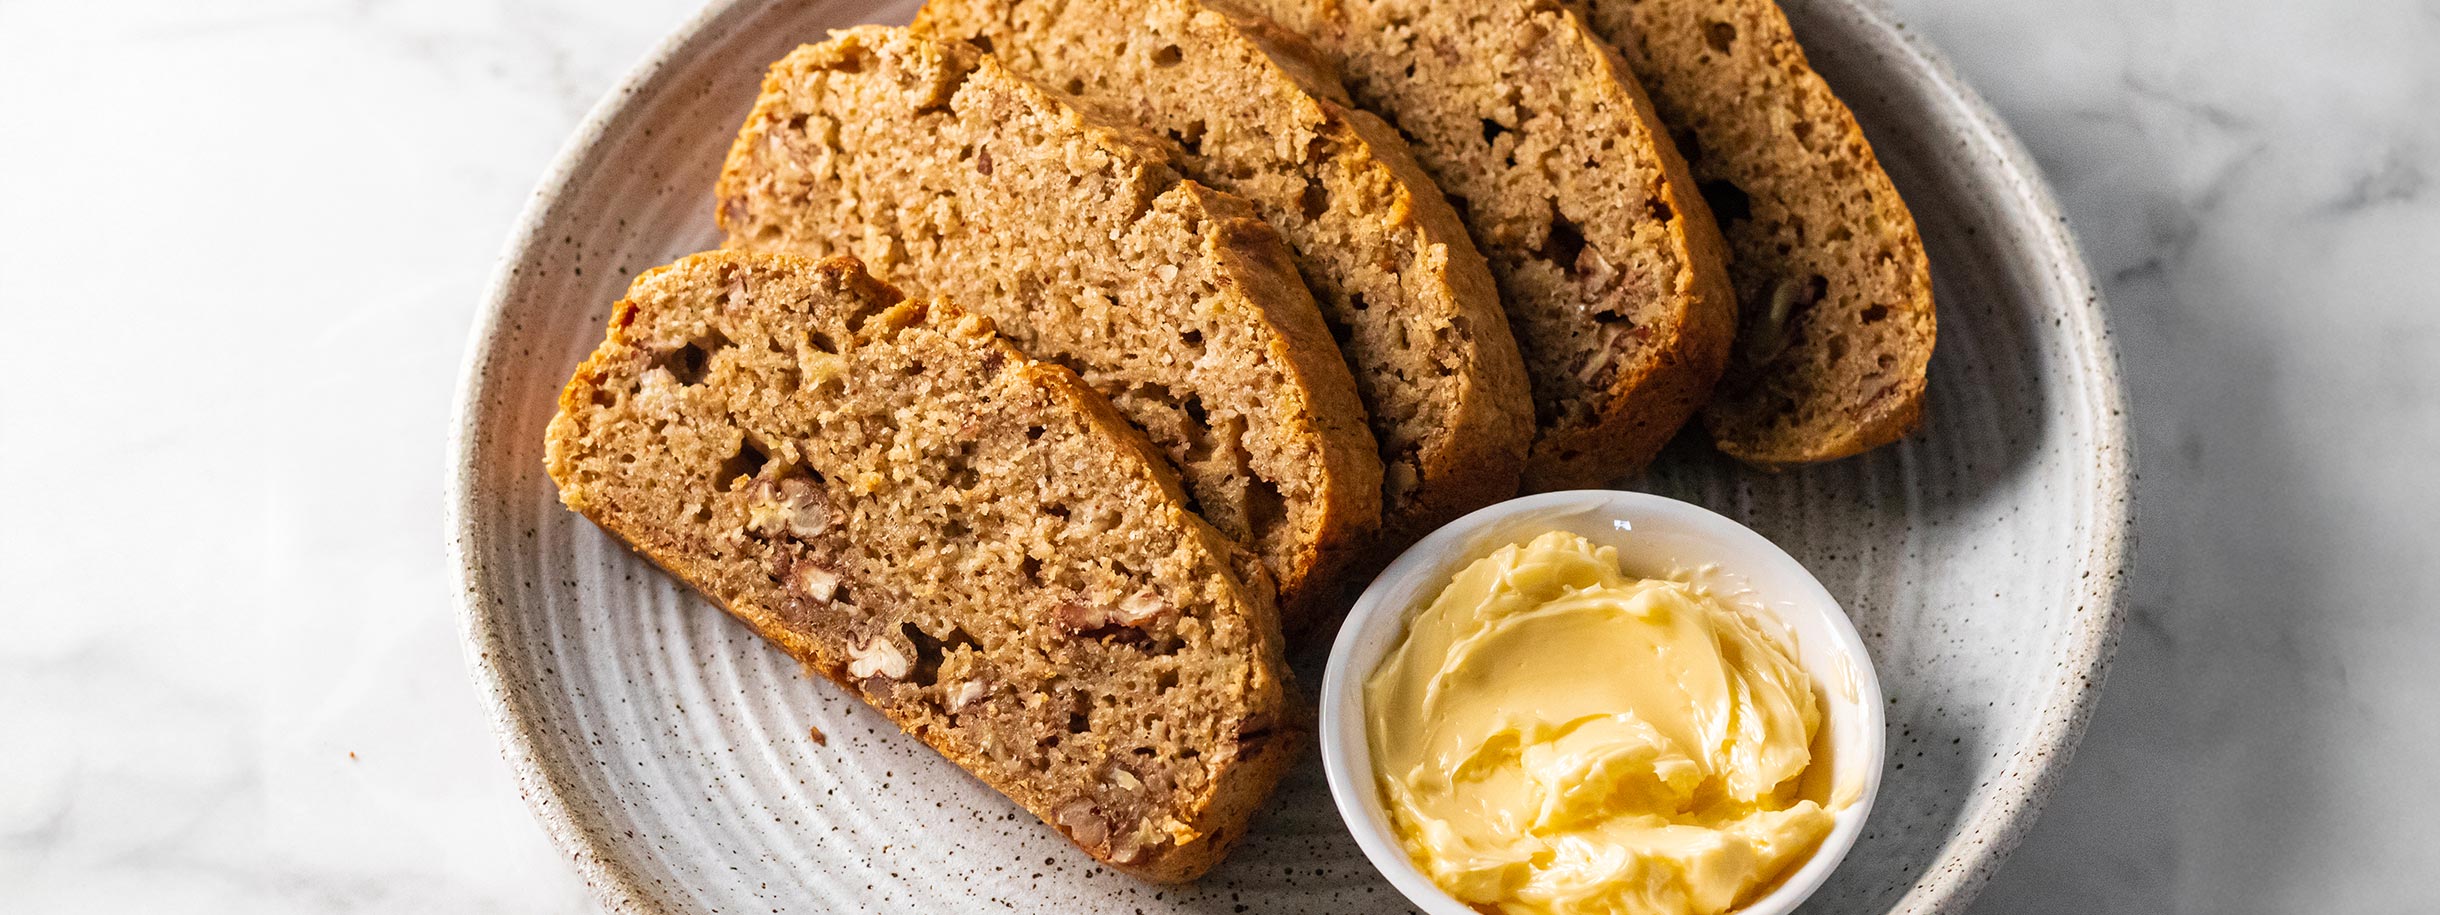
{"x":2252,"y":183}
{"x":230,"y":681}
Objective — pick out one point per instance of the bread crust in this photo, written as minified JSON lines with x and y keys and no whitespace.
{"x":1607,"y":260}
{"x":1830,"y":273}
{"x":1073,"y":230}
{"x":633,"y":447}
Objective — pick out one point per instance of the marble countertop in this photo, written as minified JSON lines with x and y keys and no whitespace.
{"x":230,"y":679}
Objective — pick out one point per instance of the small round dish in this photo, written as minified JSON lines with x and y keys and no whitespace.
{"x":1656,"y":537}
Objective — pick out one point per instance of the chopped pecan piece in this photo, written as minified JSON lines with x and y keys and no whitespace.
{"x":877,"y":658}
{"x":813,"y":581}
{"x":792,"y":505}
{"x":1084,"y":823}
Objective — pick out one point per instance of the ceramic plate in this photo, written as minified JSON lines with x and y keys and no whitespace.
{"x":673,"y":754}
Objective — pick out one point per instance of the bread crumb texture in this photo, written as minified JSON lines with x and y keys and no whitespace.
{"x":1834,"y":290}
{"x":954,"y":177}
{"x":1612,"y":272}
{"x":1254,"y":111}
{"x":970,"y":540}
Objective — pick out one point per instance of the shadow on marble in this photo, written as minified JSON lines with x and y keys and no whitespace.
{"x":2206,"y":732}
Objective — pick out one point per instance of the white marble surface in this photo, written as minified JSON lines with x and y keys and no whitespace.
{"x":229,"y":675}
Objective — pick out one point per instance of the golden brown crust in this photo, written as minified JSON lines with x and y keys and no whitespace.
{"x":1829,"y":269}
{"x":1072,"y":230}
{"x":1642,"y":414}
{"x":974,"y":543}
{"x":1478,"y":456}
{"x":1342,"y":527}
{"x":1256,"y":112}
{"x":1607,"y":261}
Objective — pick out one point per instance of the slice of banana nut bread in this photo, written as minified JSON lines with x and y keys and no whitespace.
{"x":972,"y":541}
{"x":949,"y":174}
{"x":1256,"y":113}
{"x":1609,"y":264}
{"x":1830,"y":274}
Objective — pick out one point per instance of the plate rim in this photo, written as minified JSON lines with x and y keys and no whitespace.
{"x":1954,"y":878}
{"x":1949,"y":882}
{"x":617,"y":888}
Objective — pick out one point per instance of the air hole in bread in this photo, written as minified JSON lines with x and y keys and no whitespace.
{"x":1491,"y":131}
{"x":1264,"y":509}
{"x":740,"y":467}
{"x":858,"y":318}
{"x":926,"y":670}
{"x":1202,"y":444}
{"x":1874,"y":314}
{"x":1356,"y":301}
{"x":689,"y":363}
{"x":1167,"y":56}
{"x":1080,"y":712}
{"x":1315,"y":201}
{"x":1661,"y":210}
{"x":1721,"y":36}
{"x":1189,"y":138}
{"x":961,"y":474}
{"x":1729,"y":202}
{"x":1563,"y":244}
{"x":929,"y":651}
{"x":982,"y":42}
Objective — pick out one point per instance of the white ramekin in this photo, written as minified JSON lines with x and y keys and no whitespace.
{"x":1655,"y":537}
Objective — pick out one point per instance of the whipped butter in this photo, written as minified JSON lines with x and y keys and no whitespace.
{"x":1554,"y":736}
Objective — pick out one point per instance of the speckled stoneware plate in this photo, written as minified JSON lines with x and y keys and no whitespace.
{"x":671,"y":752}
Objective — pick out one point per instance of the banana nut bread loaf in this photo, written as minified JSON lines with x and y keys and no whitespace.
{"x":1256,"y":113}
{"x":1835,"y":292}
{"x":950,"y":175}
{"x":1607,"y":259}
{"x":972,"y":541}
